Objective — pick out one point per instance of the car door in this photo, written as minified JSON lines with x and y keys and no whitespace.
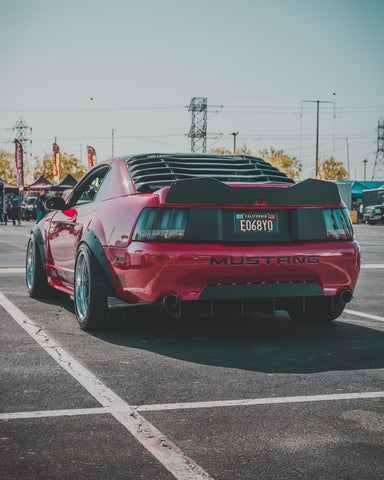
{"x":67,"y":227}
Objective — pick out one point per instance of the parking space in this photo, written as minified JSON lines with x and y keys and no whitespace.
{"x":253,"y":397}
{"x":332,"y":440}
{"x":91,"y":446}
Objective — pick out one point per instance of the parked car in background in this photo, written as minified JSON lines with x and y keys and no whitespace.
{"x":373,"y":214}
{"x":195,"y":233}
{"x":28,"y":208}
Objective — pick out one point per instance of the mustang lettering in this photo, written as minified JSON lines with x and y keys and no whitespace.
{"x":293,"y":260}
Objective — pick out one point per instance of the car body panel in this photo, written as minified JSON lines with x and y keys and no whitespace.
{"x":150,"y":271}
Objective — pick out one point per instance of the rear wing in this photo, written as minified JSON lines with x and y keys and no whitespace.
{"x":207,"y":210}
{"x":209,"y":191}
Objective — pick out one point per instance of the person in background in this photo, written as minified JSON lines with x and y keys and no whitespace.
{"x":7,"y":208}
{"x":361,"y":212}
{"x":2,"y":211}
{"x":15,"y":208}
{"x":40,"y":207}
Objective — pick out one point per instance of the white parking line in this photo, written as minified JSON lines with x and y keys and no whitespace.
{"x":7,"y":270}
{"x":260,"y":401}
{"x":194,"y":405}
{"x":53,"y":413}
{"x":371,"y":265}
{"x":365,"y":315}
{"x":376,"y":244}
{"x":167,"y":453}
{"x":14,"y":244}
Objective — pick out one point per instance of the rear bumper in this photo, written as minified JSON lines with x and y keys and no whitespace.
{"x":148,"y":272}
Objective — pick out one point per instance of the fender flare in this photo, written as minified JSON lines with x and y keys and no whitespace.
{"x":94,"y":244}
{"x":38,"y":237}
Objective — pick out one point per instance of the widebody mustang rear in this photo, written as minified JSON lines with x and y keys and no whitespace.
{"x":196,"y":232}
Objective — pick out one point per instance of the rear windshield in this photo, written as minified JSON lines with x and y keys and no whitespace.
{"x":154,"y":171}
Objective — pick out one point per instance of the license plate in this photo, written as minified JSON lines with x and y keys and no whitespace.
{"x":256,"y":222}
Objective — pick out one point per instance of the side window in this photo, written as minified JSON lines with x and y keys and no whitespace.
{"x":89,"y":189}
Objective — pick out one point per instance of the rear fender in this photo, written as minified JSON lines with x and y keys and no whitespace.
{"x":94,"y":244}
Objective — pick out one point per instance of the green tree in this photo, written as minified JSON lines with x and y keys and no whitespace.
{"x":286,"y":163}
{"x":7,"y":167}
{"x":331,"y":170}
{"x":69,"y":164}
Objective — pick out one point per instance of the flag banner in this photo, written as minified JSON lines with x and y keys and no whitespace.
{"x":91,"y":157}
{"x":56,"y":163}
{"x":19,"y":164}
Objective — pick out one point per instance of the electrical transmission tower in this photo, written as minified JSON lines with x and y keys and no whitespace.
{"x":198,"y":131}
{"x":378,"y":168}
{"x":22,"y":133}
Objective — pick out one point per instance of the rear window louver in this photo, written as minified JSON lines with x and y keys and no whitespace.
{"x":160,"y":170}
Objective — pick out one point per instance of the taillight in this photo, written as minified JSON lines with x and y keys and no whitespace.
{"x":156,"y":224}
{"x":338,"y":224}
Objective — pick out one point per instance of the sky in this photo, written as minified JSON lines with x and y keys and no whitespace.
{"x":78,"y":70}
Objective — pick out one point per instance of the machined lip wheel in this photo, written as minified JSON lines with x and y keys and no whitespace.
{"x":90,"y":291}
{"x":31,"y":264}
{"x":82,"y":286}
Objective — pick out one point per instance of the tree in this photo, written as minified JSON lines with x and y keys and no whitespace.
{"x":286,"y":163}
{"x":69,"y":164}
{"x":224,"y":151}
{"x":332,"y":170}
{"x":7,"y":167}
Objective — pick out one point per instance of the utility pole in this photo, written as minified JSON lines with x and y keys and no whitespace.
{"x":317,"y":127}
{"x":349,"y":176}
{"x":317,"y":140}
{"x":378,"y":168}
{"x":365,"y":168}
{"x":234,"y":141}
{"x":113,"y":142}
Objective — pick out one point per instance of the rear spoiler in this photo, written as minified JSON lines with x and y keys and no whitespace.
{"x":210,"y":191}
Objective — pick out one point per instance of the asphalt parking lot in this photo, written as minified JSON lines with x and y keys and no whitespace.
{"x":258,"y":397}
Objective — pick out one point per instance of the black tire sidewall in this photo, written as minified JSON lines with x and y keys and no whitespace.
{"x":97,"y":312}
{"x":39,"y":286}
{"x":317,"y":316}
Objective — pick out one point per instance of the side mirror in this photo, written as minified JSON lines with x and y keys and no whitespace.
{"x":55,"y":203}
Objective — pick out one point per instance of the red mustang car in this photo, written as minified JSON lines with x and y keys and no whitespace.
{"x":198,"y":232}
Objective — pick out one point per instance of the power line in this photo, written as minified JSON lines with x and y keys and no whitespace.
{"x":242,"y":108}
{"x":89,"y":109}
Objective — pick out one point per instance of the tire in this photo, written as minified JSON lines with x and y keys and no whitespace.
{"x":317,"y":316}
{"x":90,"y":291}
{"x":35,"y":275}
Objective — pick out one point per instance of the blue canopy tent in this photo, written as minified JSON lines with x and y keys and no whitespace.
{"x":358,"y":187}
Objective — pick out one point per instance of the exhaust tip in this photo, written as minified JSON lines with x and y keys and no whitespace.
{"x":171,"y":301}
{"x":345,"y":296}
